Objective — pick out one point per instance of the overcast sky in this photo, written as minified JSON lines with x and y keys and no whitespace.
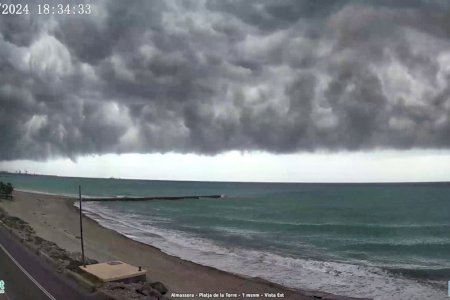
{"x":230,"y":90}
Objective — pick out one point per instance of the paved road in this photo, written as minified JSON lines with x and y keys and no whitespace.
{"x":26,"y":276}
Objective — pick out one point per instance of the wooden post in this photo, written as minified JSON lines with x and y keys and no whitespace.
{"x":81,"y":227}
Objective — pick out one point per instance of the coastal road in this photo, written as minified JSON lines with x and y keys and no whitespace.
{"x":26,"y":276}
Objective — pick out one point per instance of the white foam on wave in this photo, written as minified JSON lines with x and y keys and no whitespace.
{"x":46,"y":193}
{"x":333,"y":277}
{"x":55,"y":194}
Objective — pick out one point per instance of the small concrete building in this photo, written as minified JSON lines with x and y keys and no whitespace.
{"x":116,"y":271}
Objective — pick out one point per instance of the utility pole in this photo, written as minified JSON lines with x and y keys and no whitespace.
{"x":81,"y":228}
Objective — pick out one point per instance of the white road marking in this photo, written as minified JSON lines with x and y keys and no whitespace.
{"x":28,"y":274}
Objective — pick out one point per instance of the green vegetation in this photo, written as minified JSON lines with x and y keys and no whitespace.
{"x":6,"y":190}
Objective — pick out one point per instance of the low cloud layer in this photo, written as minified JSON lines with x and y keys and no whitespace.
{"x":212,"y":76}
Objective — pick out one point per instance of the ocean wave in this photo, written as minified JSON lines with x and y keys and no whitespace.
{"x":334,"y":277}
{"x":46,"y":193}
{"x":340,"y":225}
{"x":439,"y":249}
{"x":69,"y":195}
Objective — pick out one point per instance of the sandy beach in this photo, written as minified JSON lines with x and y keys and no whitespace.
{"x":54,"y":218}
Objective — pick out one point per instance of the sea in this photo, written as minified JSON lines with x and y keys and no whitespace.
{"x":383,"y":241}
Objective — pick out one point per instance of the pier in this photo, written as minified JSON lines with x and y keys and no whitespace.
{"x":151,"y":198}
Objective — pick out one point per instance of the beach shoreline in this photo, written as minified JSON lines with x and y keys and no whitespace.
{"x":55,"y":218}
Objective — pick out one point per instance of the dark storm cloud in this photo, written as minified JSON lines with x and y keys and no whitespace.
{"x":212,"y":76}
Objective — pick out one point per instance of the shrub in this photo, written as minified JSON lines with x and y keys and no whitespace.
{"x":6,"y":189}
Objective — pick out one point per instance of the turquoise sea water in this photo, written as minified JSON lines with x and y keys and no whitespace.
{"x":381,"y":240}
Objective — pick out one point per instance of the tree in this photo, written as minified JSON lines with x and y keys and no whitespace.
{"x":9,"y":189}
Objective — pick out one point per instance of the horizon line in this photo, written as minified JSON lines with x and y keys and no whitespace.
{"x":230,"y":181}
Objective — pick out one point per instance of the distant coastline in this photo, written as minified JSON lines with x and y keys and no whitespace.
{"x":373,"y":183}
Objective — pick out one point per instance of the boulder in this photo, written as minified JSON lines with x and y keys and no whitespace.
{"x":77,"y":256}
{"x":148,"y":291}
{"x":161,"y":288}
